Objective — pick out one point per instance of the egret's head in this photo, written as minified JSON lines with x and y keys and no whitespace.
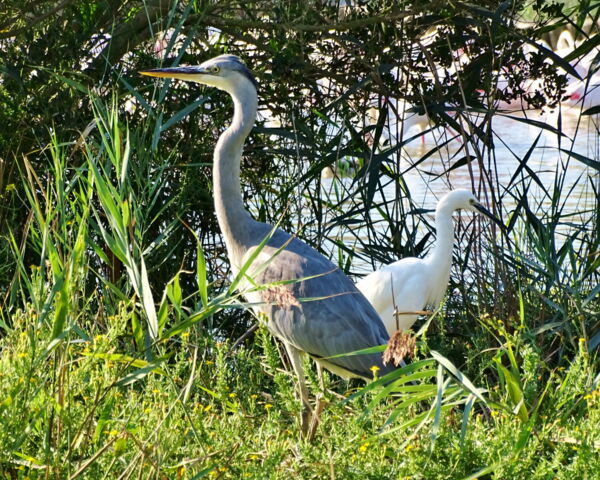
{"x":465,"y":200}
{"x":461,"y":199}
{"x":226,"y":72}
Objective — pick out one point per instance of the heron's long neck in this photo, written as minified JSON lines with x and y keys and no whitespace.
{"x":442,"y":251}
{"x":234,"y":220}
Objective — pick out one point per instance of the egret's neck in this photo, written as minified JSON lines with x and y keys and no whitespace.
{"x":234,"y":220}
{"x":441,"y":256}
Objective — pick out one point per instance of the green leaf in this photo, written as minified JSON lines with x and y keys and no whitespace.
{"x":138,"y":331}
{"x":61,"y":308}
{"x":514,"y":391}
{"x":465,"y":418}
{"x":201,"y":273}
{"x":437,"y":405}
{"x":460,"y":377}
{"x":595,"y":164}
{"x":148,"y":302}
{"x":483,"y":471}
{"x":74,"y":84}
{"x":162,"y":314}
{"x":125,"y":359}
{"x":28,"y":458}
{"x":535,"y":123}
{"x":138,"y":375}
{"x":586,"y":47}
{"x":192,"y":319}
{"x":594,"y":342}
{"x":181,"y":114}
{"x":104,"y":417}
{"x":203,"y":473}
{"x":592,"y":110}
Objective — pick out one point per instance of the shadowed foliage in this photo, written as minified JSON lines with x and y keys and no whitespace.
{"x":125,"y":349}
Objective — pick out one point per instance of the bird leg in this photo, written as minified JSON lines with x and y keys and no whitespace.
{"x":320,"y":377}
{"x":295,"y":356}
{"x":320,"y":404}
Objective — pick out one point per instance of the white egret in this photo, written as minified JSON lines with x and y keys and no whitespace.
{"x":400,"y":289}
{"x":400,"y":124}
{"x":320,"y":312}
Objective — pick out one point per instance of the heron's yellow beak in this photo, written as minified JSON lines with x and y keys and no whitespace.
{"x":151,"y":73}
{"x":179,"y":73}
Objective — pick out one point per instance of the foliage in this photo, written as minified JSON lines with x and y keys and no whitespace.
{"x":76,"y":411}
{"x":124,"y":348}
{"x":291,"y":47}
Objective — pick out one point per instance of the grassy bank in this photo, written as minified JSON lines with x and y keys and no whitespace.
{"x":82,"y":407}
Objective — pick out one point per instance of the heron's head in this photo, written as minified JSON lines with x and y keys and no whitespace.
{"x":226,"y":72}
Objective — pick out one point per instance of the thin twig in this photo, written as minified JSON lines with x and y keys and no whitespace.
{"x":251,"y":330}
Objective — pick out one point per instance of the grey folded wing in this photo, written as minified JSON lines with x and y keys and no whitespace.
{"x":321,"y":313}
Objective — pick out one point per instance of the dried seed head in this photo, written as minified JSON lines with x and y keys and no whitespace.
{"x":279,"y":295}
{"x":401,"y":345}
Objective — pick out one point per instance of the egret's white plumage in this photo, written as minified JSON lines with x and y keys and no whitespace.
{"x":411,"y":284}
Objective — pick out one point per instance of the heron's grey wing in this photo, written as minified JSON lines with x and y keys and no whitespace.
{"x":325,"y":315}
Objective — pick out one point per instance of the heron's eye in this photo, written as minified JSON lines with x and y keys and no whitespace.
{"x":214,"y":69}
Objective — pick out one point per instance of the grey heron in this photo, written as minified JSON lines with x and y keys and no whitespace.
{"x":400,"y":289}
{"x":321,"y":313}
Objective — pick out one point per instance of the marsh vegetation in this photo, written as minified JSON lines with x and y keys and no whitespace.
{"x":125,"y":351}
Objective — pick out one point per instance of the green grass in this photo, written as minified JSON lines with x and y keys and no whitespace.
{"x":75,"y":411}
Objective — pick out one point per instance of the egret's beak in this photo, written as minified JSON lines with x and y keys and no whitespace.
{"x":180,"y":73}
{"x":489,"y":214}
